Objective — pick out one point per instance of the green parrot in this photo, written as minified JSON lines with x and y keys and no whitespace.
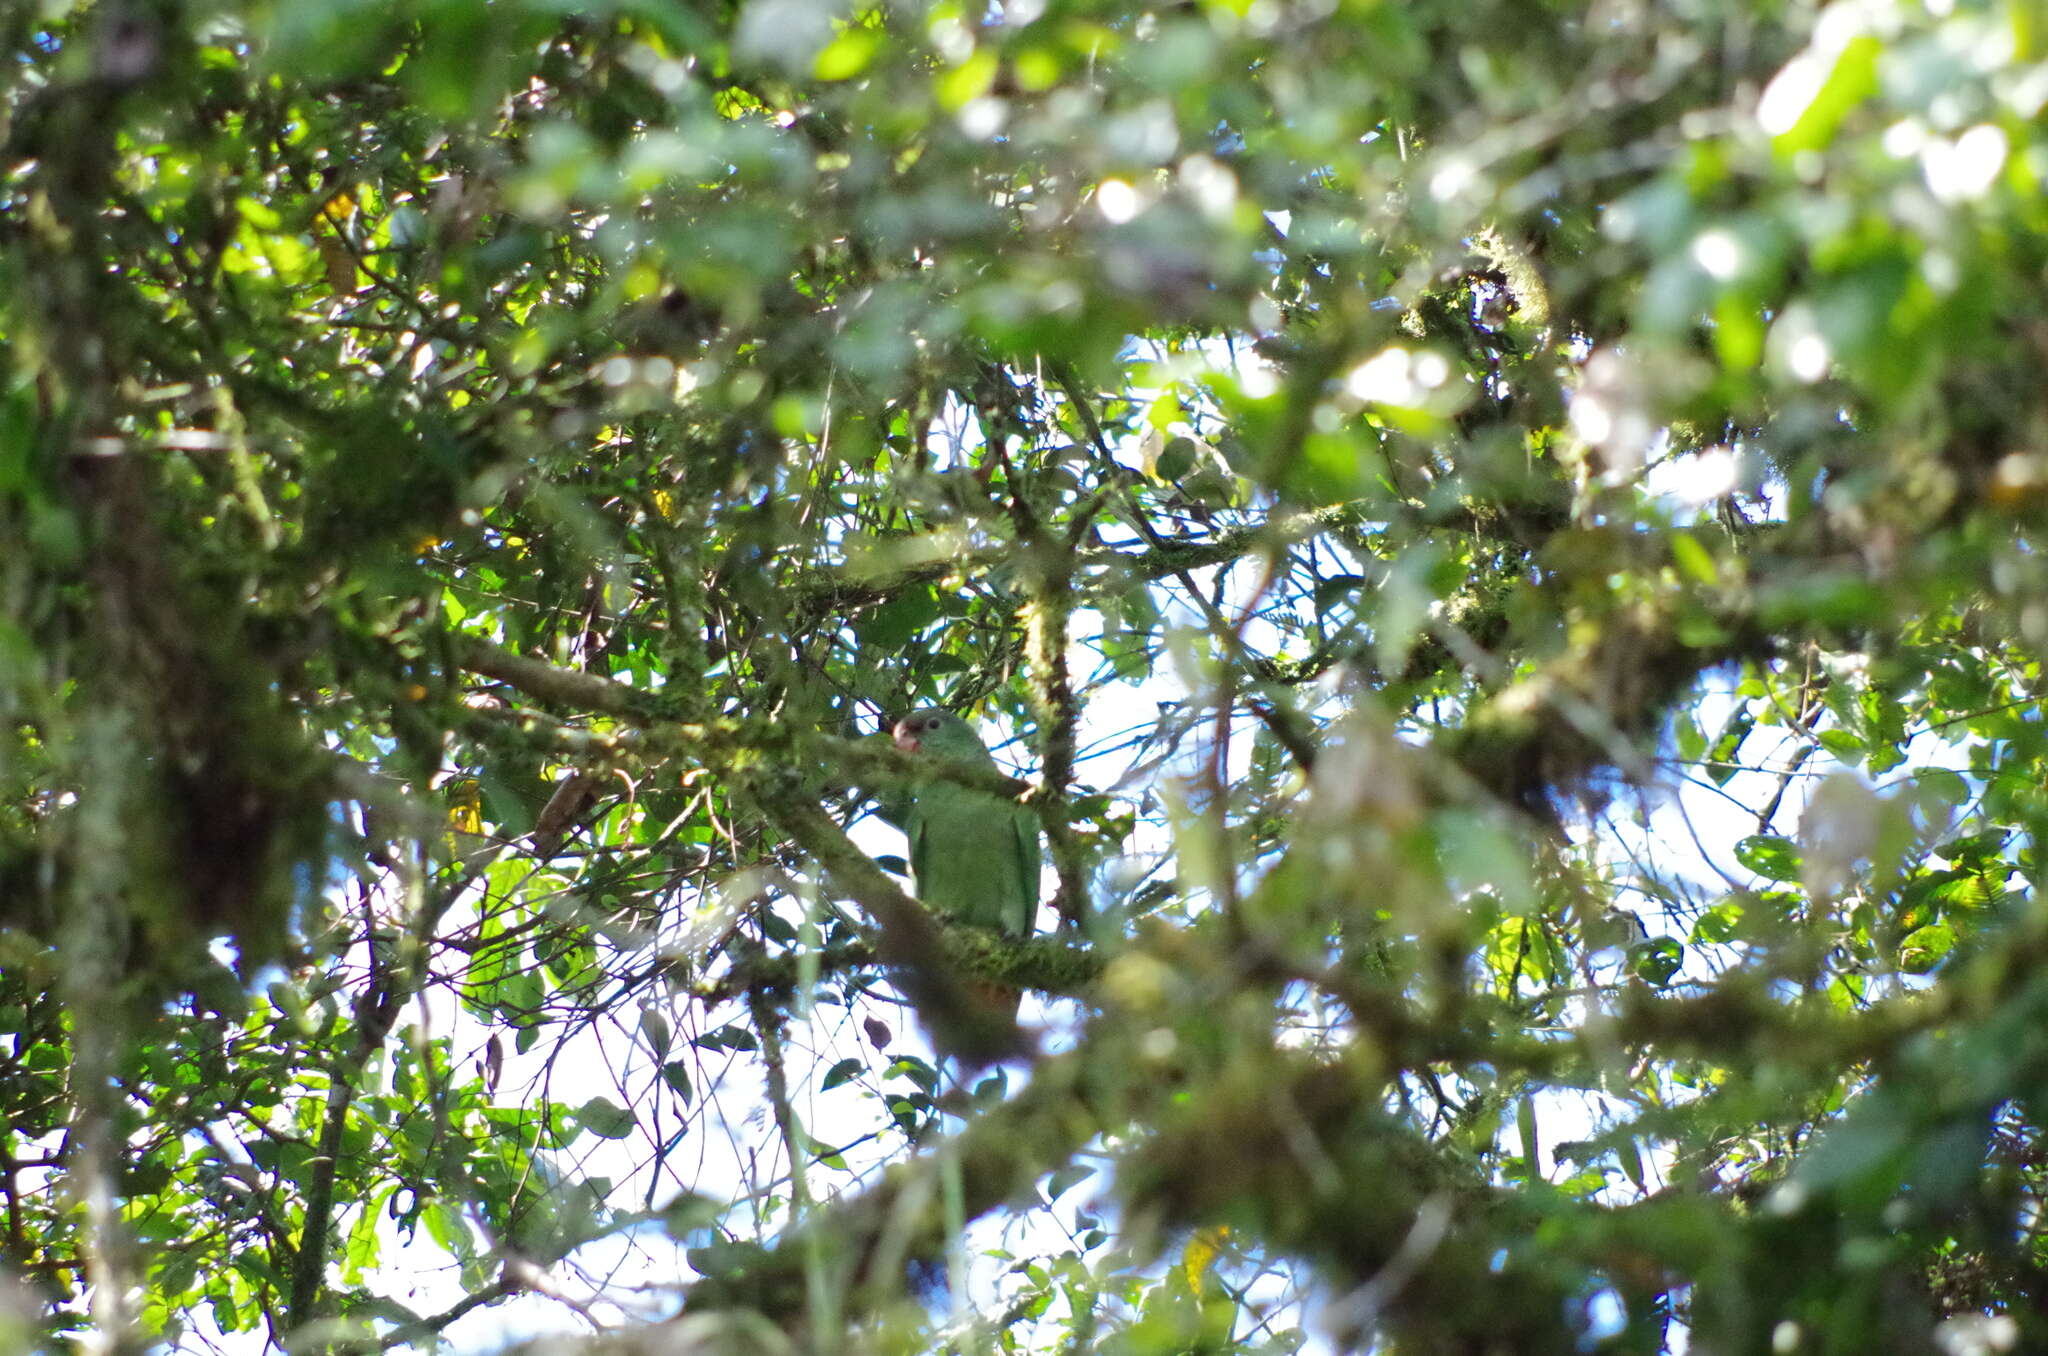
{"x":974,"y":857}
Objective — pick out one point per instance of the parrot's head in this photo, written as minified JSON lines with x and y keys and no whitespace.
{"x":941,"y":734}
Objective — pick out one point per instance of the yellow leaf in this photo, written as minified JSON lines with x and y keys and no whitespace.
{"x":848,"y":54}
{"x":257,"y":214}
{"x":465,"y":807}
{"x":339,"y":208}
{"x":1200,"y":1254}
{"x":969,"y":80}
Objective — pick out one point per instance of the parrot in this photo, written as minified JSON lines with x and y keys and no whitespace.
{"x":974,"y":857}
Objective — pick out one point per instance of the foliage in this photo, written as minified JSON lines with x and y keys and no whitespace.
{"x":1505,"y":535}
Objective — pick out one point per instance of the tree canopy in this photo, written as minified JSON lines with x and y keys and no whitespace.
{"x":1499,"y":539}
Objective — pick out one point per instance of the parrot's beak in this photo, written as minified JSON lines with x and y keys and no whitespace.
{"x":906,"y":739}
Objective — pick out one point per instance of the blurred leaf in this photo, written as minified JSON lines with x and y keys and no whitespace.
{"x":605,"y":1119}
{"x":1770,"y":856}
{"x":1657,"y":959}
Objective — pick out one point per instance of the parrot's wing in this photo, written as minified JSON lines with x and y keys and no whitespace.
{"x":968,"y":858}
{"x":1029,"y":857}
{"x":917,"y":833}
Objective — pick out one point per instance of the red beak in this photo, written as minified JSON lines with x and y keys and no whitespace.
{"x":906,"y":739}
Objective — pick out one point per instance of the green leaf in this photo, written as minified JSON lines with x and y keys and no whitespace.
{"x":1976,"y":847}
{"x":1843,"y":744}
{"x":1689,"y":738}
{"x":605,"y":1119}
{"x":902,"y":618}
{"x":1971,"y":891}
{"x":447,"y":1228}
{"x":1728,"y":745}
{"x":729,"y":1037}
{"x":1807,"y":100}
{"x":1925,"y":948}
{"x":1693,"y":559}
{"x":1066,"y":1179}
{"x":654,"y":1029}
{"x":727,"y":1258}
{"x":848,"y":54}
{"x":1828,"y":599}
{"x":1657,"y":959}
{"x":1770,"y":856}
{"x":914,"y":1069}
